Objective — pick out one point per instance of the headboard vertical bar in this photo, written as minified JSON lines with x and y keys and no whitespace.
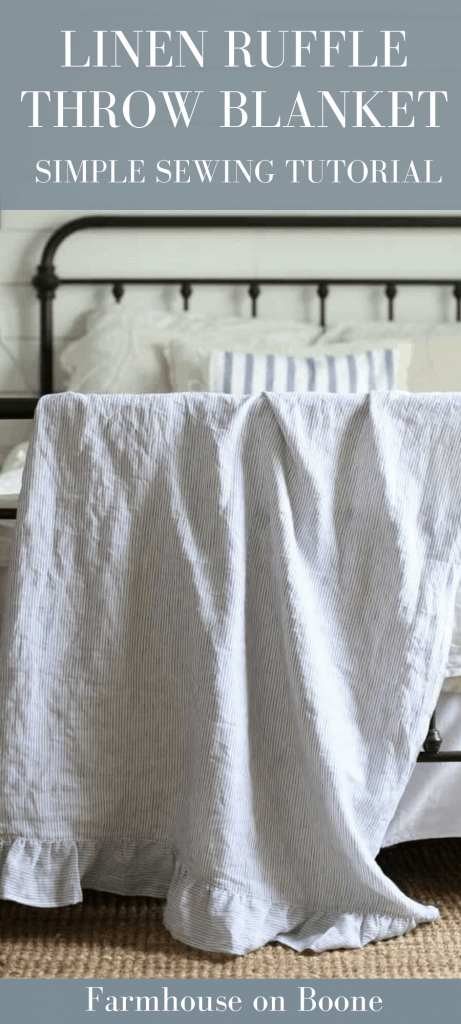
{"x":322,"y":292}
{"x":46,"y":361}
{"x":254,"y":291}
{"x":46,"y":283}
{"x":391,"y":292}
{"x":186,"y":292}
{"x":457,"y":294}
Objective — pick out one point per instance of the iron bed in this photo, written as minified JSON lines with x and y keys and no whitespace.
{"x":46,"y":283}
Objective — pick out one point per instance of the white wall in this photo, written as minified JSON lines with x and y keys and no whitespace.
{"x":353,"y":253}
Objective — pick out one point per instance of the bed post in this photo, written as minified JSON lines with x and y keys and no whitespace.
{"x":45,"y":282}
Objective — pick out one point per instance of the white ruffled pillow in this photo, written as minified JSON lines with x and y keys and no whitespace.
{"x":119,"y":353}
{"x":16,"y":458}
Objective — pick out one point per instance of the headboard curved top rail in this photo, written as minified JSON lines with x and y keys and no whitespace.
{"x":252,"y":221}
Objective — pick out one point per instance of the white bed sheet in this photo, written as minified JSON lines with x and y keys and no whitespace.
{"x":431,"y":806}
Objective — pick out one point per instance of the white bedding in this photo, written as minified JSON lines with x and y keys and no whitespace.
{"x":430,"y":807}
{"x":122,"y":352}
{"x":173,"y":722}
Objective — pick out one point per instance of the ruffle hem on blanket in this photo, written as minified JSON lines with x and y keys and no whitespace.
{"x":52,"y":874}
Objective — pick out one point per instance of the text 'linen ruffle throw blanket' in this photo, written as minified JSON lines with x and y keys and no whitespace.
{"x":227,"y":626}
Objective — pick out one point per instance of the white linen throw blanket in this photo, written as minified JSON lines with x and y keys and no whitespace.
{"x":227,"y":626}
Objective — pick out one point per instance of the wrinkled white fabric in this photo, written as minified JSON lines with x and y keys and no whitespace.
{"x":10,"y":486}
{"x":227,"y":626}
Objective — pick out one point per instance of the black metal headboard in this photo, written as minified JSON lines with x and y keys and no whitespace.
{"x":46,"y":280}
{"x":46,"y":283}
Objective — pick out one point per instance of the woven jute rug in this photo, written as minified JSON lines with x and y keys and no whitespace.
{"x":123,"y":937}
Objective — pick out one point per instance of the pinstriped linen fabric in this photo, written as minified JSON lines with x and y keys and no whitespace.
{"x":227,"y":626}
{"x":248,"y":373}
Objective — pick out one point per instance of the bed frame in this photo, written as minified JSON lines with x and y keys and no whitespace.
{"x":46,"y":282}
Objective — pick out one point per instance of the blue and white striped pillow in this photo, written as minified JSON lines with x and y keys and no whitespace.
{"x":248,"y":373}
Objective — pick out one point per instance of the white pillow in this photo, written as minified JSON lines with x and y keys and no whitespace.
{"x":16,"y":458}
{"x":10,"y":482}
{"x":379,"y":331}
{"x":248,"y":373}
{"x":430,"y":354}
{"x":124,"y":353}
{"x":119,"y":353}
